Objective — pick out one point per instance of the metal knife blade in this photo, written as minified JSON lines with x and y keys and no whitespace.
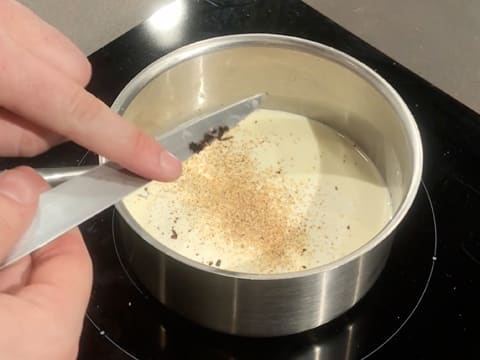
{"x":73,"y":202}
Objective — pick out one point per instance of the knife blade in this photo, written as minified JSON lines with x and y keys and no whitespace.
{"x":71,"y":203}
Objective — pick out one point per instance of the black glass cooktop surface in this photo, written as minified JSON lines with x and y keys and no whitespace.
{"x":425,"y":303}
{"x":123,"y":314}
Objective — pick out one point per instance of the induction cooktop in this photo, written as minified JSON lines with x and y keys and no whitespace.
{"x":423,"y":306}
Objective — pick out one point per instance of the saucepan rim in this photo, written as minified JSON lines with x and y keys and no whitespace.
{"x":203,"y":47}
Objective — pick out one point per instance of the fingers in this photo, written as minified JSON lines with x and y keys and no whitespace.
{"x":19,"y":137}
{"x":19,"y":189}
{"x":54,"y":100}
{"x":50,"y":308}
{"x":67,"y":109}
{"x":61,"y":279}
{"x":51,"y":287}
{"x":43,"y":41}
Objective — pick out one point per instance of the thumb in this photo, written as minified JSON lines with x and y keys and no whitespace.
{"x":19,"y":191}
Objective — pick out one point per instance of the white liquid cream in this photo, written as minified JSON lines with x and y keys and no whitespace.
{"x":279,"y":193}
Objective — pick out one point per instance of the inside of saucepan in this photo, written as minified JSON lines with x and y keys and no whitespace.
{"x":298,"y":81}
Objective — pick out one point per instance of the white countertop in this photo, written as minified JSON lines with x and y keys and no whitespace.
{"x":438,"y":39}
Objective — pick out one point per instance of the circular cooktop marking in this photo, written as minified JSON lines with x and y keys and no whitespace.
{"x":105,"y":335}
{"x":113,"y":327}
{"x":434,"y":259}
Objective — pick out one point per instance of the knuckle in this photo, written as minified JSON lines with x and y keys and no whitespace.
{"x":141,"y":144}
{"x":80,"y":111}
{"x":30,"y":145}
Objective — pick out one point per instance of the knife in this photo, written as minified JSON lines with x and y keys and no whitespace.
{"x":81,"y":197}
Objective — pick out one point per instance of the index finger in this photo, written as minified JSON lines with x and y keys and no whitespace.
{"x":45,"y":96}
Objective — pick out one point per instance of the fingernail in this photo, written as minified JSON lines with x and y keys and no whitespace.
{"x":171,"y":166}
{"x":15,"y":187}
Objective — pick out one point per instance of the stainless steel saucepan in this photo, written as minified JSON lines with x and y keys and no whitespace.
{"x":302,"y":77}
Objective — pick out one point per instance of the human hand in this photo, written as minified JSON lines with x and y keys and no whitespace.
{"x":44,"y":295}
{"x":43,"y":101}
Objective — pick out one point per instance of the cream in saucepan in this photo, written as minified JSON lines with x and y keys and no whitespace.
{"x":278,"y":193}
